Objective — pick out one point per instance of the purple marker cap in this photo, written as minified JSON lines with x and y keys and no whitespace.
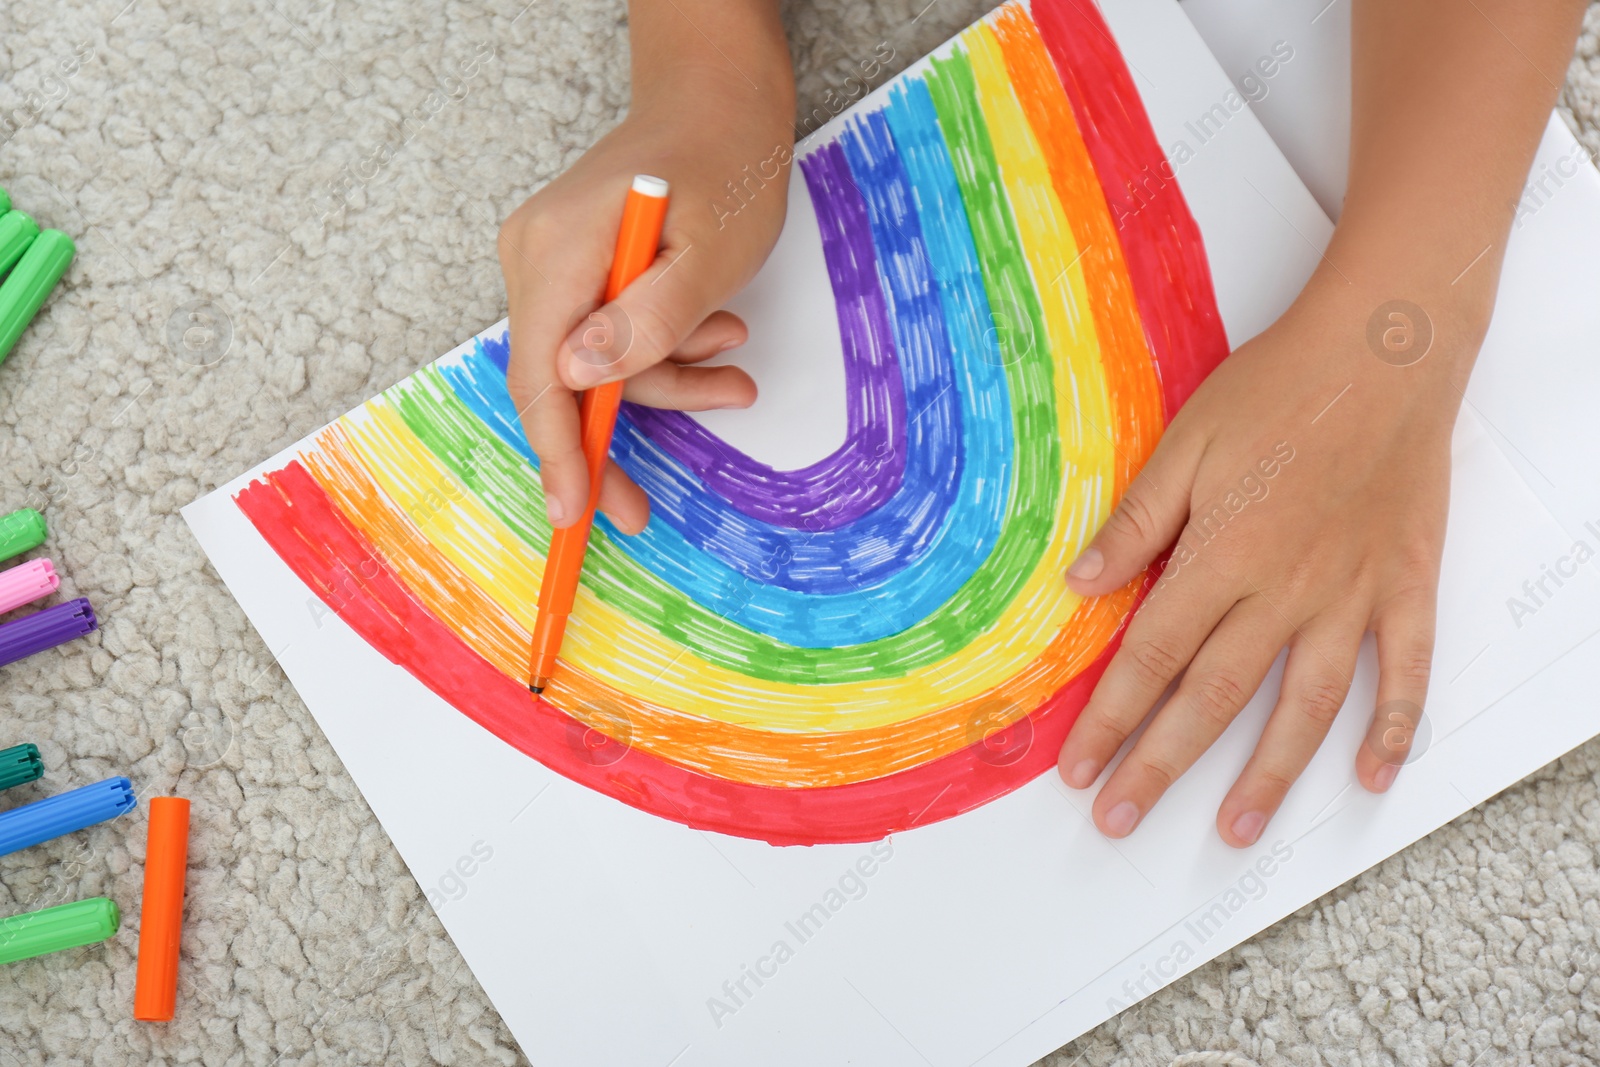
{"x":45,"y":629}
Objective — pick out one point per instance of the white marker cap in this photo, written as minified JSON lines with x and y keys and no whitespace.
{"x":649,"y":186}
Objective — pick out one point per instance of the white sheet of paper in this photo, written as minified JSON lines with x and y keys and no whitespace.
{"x":600,"y":932}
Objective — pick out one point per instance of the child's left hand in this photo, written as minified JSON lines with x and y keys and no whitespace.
{"x":1306,"y":484}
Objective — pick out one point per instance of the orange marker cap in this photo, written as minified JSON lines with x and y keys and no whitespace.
{"x":166,"y":862}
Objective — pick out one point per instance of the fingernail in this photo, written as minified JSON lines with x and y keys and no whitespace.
{"x":1248,"y":826}
{"x":729,"y":344}
{"x":1083,"y":774}
{"x":555,"y":509}
{"x":1385,"y":776}
{"x":1088,"y":565}
{"x":586,"y":368}
{"x":1121,"y":819}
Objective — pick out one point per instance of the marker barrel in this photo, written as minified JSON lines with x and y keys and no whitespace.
{"x":64,"y":813}
{"x":55,"y":625}
{"x":74,"y":925}
{"x":20,"y":531}
{"x":26,"y":583}
{"x":20,"y":764}
{"x":30,"y":282}
{"x":638,"y":241}
{"x":17,"y":232}
{"x":166,"y":862}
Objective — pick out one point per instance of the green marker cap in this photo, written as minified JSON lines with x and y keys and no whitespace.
{"x":5,"y":200}
{"x":29,"y":284}
{"x":83,"y":922}
{"x":19,"y":531}
{"x":19,"y":764}
{"x":17,"y":232}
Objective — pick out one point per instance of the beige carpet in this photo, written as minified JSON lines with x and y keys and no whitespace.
{"x":194,"y":149}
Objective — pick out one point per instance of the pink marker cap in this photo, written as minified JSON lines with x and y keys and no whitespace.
{"x":27,"y":583}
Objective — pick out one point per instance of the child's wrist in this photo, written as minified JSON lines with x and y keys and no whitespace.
{"x":702,"y":95}
{"x":1409,"y":340}
{"x":745,"y":73}
{"x":1447,"y":264}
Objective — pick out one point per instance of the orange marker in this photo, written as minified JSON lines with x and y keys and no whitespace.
{"x":637,"y":243}
{"x":166,"y":862}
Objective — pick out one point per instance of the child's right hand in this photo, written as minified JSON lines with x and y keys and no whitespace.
{"x":556,"y":250}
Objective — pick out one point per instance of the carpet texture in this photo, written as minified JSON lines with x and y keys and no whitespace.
{"x":253,"y":262}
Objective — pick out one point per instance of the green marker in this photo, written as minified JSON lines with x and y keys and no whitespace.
{"x":17,"y":232}
{"x":5,"y":201}
{"x":30,"y":282}
{"x":19,"y":531}
{"x":83,"y":922}
{"x":20,"y":764}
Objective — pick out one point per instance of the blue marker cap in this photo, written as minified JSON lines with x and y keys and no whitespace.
{"x":64,"y":813}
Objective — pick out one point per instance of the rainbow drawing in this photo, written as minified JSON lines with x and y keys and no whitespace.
{"x":882,"y":639}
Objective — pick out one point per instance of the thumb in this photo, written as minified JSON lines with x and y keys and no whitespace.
{"x":1146,"y":521}
{"x":641,"y":327}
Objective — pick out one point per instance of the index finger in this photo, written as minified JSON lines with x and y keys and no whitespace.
{"x":541,"y":302}
{"x":1165,"y":633}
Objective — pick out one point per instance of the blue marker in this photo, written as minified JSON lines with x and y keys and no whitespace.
{"x":64,"y":813}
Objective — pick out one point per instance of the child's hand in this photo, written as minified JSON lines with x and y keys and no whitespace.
{"x":1306,"y":485}
{"x":1306,"y":482}
{"x":555,"y":250}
